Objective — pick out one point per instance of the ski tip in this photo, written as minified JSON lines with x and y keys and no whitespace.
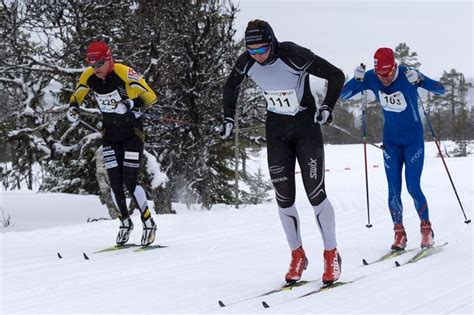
{"x":397,"y":264}
{"x":59,"y":256}
{"x":265,"y":304}
{"x":85,"y":256}
{"x":365,"y":262}
{"x":221,"y":304}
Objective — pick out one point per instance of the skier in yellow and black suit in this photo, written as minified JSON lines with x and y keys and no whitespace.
{"x":117,"y":89}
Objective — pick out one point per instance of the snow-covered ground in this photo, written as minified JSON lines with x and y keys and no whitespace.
{"x":228,"y":254}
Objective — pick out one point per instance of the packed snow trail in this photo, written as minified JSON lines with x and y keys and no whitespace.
{"x":228,"y":254}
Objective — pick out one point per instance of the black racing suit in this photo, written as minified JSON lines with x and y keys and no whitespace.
{"x":291,"y":131}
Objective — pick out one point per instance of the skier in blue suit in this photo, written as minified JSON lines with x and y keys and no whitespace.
{"x":395,"y":87}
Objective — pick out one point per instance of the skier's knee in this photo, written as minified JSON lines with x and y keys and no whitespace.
{"x":285,"y":204}
{"x":318,"y":199}
{"x":116,"y":188}
{"x":414,"y":190}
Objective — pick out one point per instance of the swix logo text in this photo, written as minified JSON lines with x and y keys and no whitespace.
{"x":313,"y":168}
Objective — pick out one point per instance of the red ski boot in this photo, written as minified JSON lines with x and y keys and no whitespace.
{"x":332,"y":266}
{"x":427,"y":235}
{"x":400,"y":241}
{"x":299,"y":262}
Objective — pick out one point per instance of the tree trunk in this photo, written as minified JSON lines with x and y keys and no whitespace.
{"x":29,"y":178}
{"x":104,"y":186}
{"x":161,"y":197}
{"x":244,"y":163}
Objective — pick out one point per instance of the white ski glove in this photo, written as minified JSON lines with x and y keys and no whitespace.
{"x":359,"y":72}
{"x":124,"y":106}
{"x":225,"y":130}
{"x":413,"y":76}
{"x":129,"y":103}
{"x":73,"y":114}
{"x":323,"y":115}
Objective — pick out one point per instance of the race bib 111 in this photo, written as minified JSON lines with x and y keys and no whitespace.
{"x":282,"y":102}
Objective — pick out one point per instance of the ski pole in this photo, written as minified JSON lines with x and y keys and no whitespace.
{"x":174,"y":120}
{"x":354,"y":137}
{"x":159,"y":117}
{"x":88,"y":125}
{"x":69,"y":130}
{"x":364,"y":134}
{"x":466,"y":220}
{"x":248,"y":129}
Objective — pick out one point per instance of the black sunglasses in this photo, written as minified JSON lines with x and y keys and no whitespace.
{"x":98,"y":64}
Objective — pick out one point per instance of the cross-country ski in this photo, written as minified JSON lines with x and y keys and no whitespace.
{"x":322,"y":288}
{"x":286,"y":287}
{"x":389,"y":255}
{"x":426,"y":252}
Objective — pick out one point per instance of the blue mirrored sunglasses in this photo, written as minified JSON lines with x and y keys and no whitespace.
{"x":259,"y":50}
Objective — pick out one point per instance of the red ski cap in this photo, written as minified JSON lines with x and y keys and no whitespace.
{"x":384,"y":61}
{"x":98,"y":51}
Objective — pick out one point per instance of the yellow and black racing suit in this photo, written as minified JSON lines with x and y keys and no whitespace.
{"x":122,"y":135}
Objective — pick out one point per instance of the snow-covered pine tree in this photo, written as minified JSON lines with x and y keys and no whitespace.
{"x":23,"y":87}
{"x":50,"y":66}
{"x":404,"y":56}
{"x":258,"y":189}
{"x":195,"y":48}
{"x":463,"y":126}
{"x":450,"y":112}
{"x":65,"y":30}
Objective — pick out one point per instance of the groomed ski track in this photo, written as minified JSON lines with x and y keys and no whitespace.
{"x":228,"y":254}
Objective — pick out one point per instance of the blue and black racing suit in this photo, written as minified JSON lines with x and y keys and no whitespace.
{"x":402,"y":134}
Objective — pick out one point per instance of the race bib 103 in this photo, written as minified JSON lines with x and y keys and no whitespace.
{"x":282,"y":102}
{"x":394,"y":102}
